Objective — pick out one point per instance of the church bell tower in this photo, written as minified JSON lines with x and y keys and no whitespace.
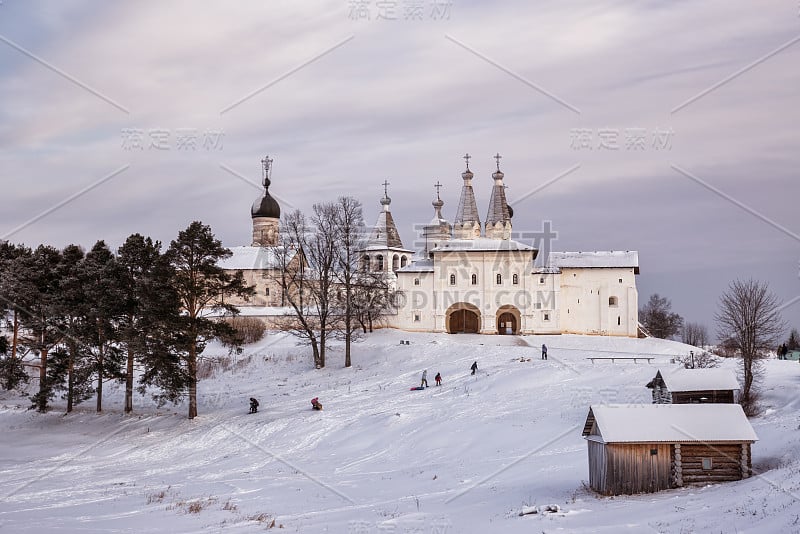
{"x":266,"y":212}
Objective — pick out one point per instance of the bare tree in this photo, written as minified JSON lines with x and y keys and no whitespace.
{"x":308,"y":285}
{"x":350,"y":236}
{"x":749,"y":316}
{"x":372,"y":298}
{"x":658,"y":318}
{"x":701,"y":360}
{"x":695,"y":334}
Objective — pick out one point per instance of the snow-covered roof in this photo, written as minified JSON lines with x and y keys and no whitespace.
{"x":419,"y":266}
{"x":246,"y":258}
{"x":699,"y":379}
{"x":480,"y":244}
{"x":596,"y":260}
{"x":672,"y":423}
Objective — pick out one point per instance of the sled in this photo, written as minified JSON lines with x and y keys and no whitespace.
{"x":417,"y":388}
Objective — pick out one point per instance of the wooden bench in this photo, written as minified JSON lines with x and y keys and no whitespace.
{"x":612,"y":358}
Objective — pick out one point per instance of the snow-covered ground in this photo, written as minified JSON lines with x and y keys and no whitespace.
{"x":465,"y":457}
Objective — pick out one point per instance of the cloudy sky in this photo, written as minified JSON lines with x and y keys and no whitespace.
{"x":670,"y":128}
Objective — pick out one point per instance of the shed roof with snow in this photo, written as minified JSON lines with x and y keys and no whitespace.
{"x":699,"y":379}
{"x":668,"y":423}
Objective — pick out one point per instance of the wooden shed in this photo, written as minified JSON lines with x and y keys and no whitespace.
{"x":694,"y":386}
{"x":643,"y":448}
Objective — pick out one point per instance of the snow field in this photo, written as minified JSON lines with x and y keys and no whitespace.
{"x":461,"y":458}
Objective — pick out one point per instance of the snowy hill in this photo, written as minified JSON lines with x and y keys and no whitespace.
{"x":461,"y":458}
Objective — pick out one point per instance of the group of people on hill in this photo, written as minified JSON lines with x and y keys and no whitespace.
{"x":438,"y":377}
{"x":316,"y":405}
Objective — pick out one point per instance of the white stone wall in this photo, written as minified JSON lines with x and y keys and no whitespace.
{"x":585,"y":307}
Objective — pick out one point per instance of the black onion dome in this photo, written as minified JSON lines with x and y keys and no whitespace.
{"x":266,"y":206}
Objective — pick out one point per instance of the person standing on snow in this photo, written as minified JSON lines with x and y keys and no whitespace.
{"x":253,"y":405}
{"x":474,"y":367}
{"x":424,"y":382}
{"x":544,"y":351}
{"x":438,"y":379}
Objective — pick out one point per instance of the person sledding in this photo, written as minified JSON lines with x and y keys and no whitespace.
{"x":253,"y":405}
{"x":315,"y":404}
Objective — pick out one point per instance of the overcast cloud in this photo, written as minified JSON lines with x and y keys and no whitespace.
{"x":342,"y":103}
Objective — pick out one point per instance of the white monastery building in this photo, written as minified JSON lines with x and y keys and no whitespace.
{"x":471,"y":276}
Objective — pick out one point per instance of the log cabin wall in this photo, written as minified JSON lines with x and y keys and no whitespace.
{"x":724,"y":462}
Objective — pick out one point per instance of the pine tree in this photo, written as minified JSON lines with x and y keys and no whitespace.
{"x":12,"y":371}
{"x":793,"y":343}
{"x":151,"y":311}
{"x":658,"y":318}
{"x":201,"y":284}
{"x":36,"y":302}
{"x":103,"y":285}
{"x":71,"y":306}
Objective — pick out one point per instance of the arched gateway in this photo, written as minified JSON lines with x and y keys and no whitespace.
{"x":508,"y":320}
{"x":463,"y":318}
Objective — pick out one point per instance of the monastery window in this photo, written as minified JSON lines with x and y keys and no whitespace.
{"x":546,"y":316}
{"x":538,"y":305}
{"x":403,"y":261}
{"x":541,"y":279}
{"x":619,"y":320}
{"x":416,"y":317}
{"x":365,"y":265}
{"x":379,"y":259}
{"x":395,"y":262}
{"x":452,"y":279}
{"x":612,"y":301}
{"x":499,"y":278}
{"x":416,"y":281}
{"x":707,"y":464}
{"x":266,"y":291}
{"x":515,"y":279}
{"x":579,"y":301}
{"x":474,"y":279}
{"x":620,"y":280}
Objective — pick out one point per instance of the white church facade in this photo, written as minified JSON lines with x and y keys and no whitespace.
{"x":470,"y":277}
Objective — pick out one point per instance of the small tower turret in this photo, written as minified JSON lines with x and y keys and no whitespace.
{"x":498,"y":219}
{"x":438,"y":229}
{"x":467,"y":223}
